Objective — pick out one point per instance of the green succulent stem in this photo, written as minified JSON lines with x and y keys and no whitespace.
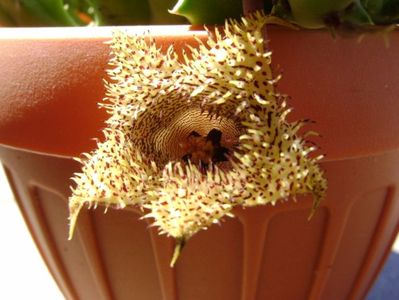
{"x":51,"y":12}
{"x":86,"y":12}
{"x":342,"y":14}
{"x":208,"y":11}
{"x":311,"y":14}
{"x":383,"y":12}
{"x":6,"y":19}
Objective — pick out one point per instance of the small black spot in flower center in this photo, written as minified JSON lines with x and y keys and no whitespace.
{"x":202,"y":151}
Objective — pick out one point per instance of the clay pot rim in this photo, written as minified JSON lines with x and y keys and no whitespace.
{"x":93,"y":38}
{"x":98,"y":32}
{"x":105,"y":32}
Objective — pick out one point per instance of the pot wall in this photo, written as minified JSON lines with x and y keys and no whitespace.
{"x":51,"y":86}
{"x":266,"y":253}
{"x":49,"y":93}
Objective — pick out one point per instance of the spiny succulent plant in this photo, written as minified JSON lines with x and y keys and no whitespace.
{"x":345,"y":15}
{"x":208,"y":11}
{"x":341,"y":15}
{"x":188,"y":141}
{"x":338,"y":14}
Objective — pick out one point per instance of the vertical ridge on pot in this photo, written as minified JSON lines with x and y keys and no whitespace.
{"x":364,"y":181}
{"x":126,"y":249}
{"x":91,"y":251}
{"x":376,"y":252}
{"x":371,"y":206}
{"x":254,"y":228}
{"x":163,"y":251}
{"x":210,"y":267}
{"x":291,"y":257}
{"x":31,"y":208}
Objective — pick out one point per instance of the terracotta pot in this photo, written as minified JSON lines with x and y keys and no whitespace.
{"x":51,"y":81}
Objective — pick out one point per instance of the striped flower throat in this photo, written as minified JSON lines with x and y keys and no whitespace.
{"x":187,"y":141}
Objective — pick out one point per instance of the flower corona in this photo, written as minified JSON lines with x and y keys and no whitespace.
{"x":189,"y":139}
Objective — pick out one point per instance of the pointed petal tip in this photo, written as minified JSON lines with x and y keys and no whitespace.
{"x":180,"y":243}
{"x":73,"y":216}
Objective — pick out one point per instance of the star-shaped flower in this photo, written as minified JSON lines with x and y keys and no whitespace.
{"x":188,"y":141}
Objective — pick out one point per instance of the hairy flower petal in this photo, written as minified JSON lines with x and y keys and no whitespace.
{"x":155,"y":102}
{"x":188,"y":201}
{"x":114,"y":175}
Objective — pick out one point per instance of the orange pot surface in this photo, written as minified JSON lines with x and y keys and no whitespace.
{"x":51,"y":82}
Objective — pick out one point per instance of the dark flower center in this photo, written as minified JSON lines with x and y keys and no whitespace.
{"x":204,"y":150}
{"x":192,"y":136}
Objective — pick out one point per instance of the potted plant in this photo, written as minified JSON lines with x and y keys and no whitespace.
{"x":50,"y":115}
